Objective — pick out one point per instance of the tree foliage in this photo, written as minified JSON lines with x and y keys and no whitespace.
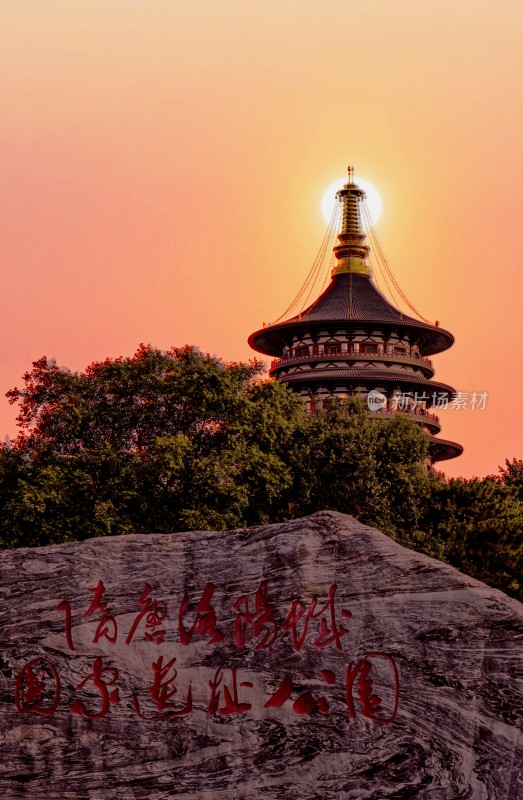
{"x":344,"y":460}
{"x":478,"y":527}
{"x":156,"y":442}
{"x":162,"y":442}
{"x":512,"y":475}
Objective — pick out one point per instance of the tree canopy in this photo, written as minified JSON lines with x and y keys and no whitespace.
{"x":177,"y":440}
{"x":156,"y":442}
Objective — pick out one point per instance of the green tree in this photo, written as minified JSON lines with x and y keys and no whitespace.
{"x":478,"y":525}
{"x":159,"y":441}
{"x":512,"y":475}
{"x":345,"y":460}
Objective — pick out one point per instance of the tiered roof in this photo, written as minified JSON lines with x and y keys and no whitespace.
{"x":354,"y":301}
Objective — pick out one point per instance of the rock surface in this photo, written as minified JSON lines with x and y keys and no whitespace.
{"x":315,"y":660}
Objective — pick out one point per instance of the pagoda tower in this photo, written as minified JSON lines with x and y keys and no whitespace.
{"x":353,"y":341}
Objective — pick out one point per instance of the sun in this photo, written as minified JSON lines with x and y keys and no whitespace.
{"x":373,"y":197}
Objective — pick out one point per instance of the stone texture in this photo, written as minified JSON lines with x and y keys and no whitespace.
{"x":457,"y":646}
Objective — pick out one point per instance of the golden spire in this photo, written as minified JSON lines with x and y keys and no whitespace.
{"x":352,"y":251}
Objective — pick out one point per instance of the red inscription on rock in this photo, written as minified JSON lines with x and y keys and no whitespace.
{"x":154,"y":611}
{"x":162,"y":691}
{"x":370,"y":701}
{"x":103,"y":685}
{"x":330,"y":631}
{"x":205,"y":623}
{"x":232,"y":704}
{"x":260,"y":620}
{"x":107,"y":627}
{"x":37,"y":688}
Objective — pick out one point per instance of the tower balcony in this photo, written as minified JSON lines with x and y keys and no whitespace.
{"x":443,"y":449}
{"x":389,"y":355}
{"x":421,"y":415}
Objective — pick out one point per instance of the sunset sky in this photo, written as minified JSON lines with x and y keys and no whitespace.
{"x":162,"y":164}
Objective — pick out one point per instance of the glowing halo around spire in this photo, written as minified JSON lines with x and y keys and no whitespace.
{"x":373,"y":197}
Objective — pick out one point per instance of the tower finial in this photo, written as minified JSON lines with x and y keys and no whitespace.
{"x":351,"y":251}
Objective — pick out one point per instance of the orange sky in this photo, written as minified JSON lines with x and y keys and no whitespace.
{"x":162,"y":164}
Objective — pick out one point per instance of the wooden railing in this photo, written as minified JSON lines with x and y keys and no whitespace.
{"x":427,"y":416}
{"x":323,"y":352}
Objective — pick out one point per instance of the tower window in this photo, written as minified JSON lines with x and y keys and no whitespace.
{"x":368,"y":347}
{"x":301,"y":351}
{"x":332,"y":349}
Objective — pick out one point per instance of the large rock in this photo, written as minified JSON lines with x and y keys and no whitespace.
{"x":358,"y":670}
